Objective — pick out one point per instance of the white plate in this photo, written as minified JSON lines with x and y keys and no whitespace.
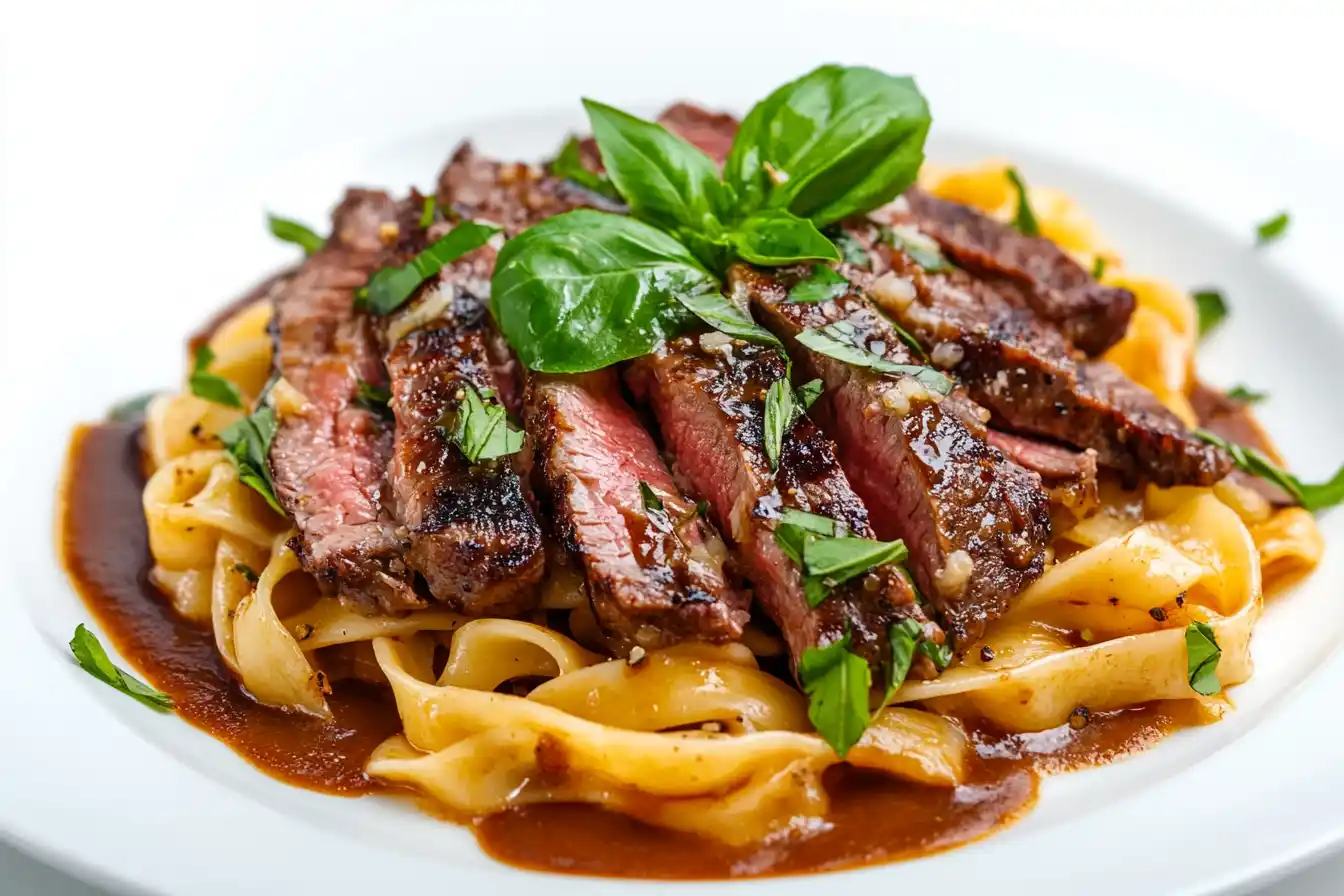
{"x":146,"y":214}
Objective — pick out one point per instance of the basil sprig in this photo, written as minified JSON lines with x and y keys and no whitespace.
{"x":389,"y":288}
{"x":290,"y":231}
{"x":836,"y":682}
{"x":828,"y":555}
{"x":248,"y":444}
{"x":1201,"y":659}
{"x":783,"y":406}
{"x":586,"y":289}
{"x":93,"y":659}
{"x":481,"y":431}
{"x":842,"y":341}
{"x":212,"y":386}
{"x":1313,"y":497}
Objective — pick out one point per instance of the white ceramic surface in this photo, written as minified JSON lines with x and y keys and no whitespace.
{"x":164,"y":177}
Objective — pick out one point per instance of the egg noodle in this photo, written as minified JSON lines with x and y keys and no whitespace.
{"x":697,"y":737}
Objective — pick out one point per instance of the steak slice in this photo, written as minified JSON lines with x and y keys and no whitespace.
{"x":708,"y":394}
{"x":328,"y":458}
{"x":654,"y":576}
{"x":1092,"y":316}
{"x":977,"y":524}
{"x":471,"y":532}
{"x":1024,"y":371}
{"x":710,"y":132}
{"x":1069,"y":477}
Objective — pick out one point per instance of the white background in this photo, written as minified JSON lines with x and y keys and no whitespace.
{"x":1283,"y":60}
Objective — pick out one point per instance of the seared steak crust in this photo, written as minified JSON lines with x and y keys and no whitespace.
{"x":654,"y":578}
{"x":709,"y":396}
{"x":328,"y":459}
{"x":1070,"y":477}
{"x":1092,"y":316}
{"x":471,"y":533}
{"x":977,"y":524}
{"x":1024,"y":371}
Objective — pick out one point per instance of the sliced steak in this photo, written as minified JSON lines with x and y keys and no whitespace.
{"x":1070,"y":477}
{"x":328,"y":459}
{"x":1025,"y":372}
{"x":708,"y":394}
{"x":711,"y":132}
{"x":1092,"y":316}
{"x":977,"y":524}
{"x":654,"y":577}
{"x":472,"y":534}
{"x":1234,"y":421}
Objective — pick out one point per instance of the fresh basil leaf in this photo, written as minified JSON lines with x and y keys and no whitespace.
{"x":807,"y":394}
{"x":132,"y":410}
{"x":903,"y":635}
{"x":248,"y":443}
{"x":776,"y":237}
{"x":427,"y":212}
{"x":724,"y":315}
{"x":296,"y":233}
{"x":650,"y":497}
{"x":568,"y":165}
{"x":841,"y":341}
{"x":941,"y":654}
{"x":921,"y":248}
{"x":665,"y":180}
{"x":210,"y":386}
{"x":1210,"y":308}
{"x":809,"y":522}
{"x":1098,"y":267}
{"x":481,"y":431}
{"x":822,"y":285}
{"x":842,"y":559}
{"x":779,"y":416}
{"x":93,"y":659}
{"x":1271,"y":230}
{"x":836,"y":142}
{"x":389,"y":288}
{"x":702,"y":508}
{"x":836,"y":683}
{"x":1313,"y":497}
{"x":851,"y":250}
{"x":1245,"y":395}
{"x":1025,"y":219}
{"x":373,"y":398}
{"x":1201,"y":659}
{"x":586,"y":289}
{"x":791,"y":540}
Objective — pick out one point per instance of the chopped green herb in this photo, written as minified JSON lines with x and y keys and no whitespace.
{"x":427,"y":212}
{"x":1313,"y":497}
{"x":822,"y":285}
{"x":1271,"y":230}
{"x":649,"y":496}
{"x":903,"y":635}
{"x":210,"y":386}
{"x":827,"y":555}
{"x":783,"y":406}
{"x":246,"y":572}
{"x":702,"y":508}
{"x":811,"y":522}
{"x":1098,"y":267}
{"x":1244,"y":395}
{"x":837,"y":684}
{"x":481,"y":431}
{"x":93,"y":659}
{"x":1201,"y":659}
{"x":373,"y":398}
{"x":941,"y":654}
{"x":842,"y":341}
{"x":1025,"y":219}
{"x":568,"y":165}
{"x":851,"y":250}
{"x":132,"y":410}
{"x":921,"y":248}
{"x":1210,"y":308}
{"x":725,"y":316}
{"x":248,"y":443}
{"x":296,"y":233}
{"x":389,"y":288}
{"x":807,"y":394}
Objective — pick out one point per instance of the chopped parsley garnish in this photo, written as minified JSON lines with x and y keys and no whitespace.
{"x":1245,"y":395}
{"x":650,"y":497}
{"x":851,"y":250}
{"x":822,"y":285}
{"x":373,"y":398}
{"x":568,"y":165}
{"x":1313,"y":497}
{"x":482,"y":431}
{"x":1025,"y":219}
{"x":836,"y":682}
{"x":211,"y":386}
{"x":783,"y":406}
{"x":1210,"y":308}
{"x":1201,"y":659}
{"x":93,"y":659}
{"x":389,"y":288}
{"x":296,"y":233}
{"x":1273,"y":229}
{"x":248,"y":443}
{"x":842,"y":341}
{"x":828,"y":555}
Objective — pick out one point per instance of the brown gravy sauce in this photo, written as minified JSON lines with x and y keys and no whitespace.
{"x":873,"y":819}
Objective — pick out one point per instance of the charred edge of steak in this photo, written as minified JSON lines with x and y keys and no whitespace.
{"x":328,"y":460}
{"x":1092,"y":316}
{"x":709,"y":400}
{"x":654,"y":577}
{"x":1069,"y":476}
{"x":1023,"y":370}
{"x":976,"y":524}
